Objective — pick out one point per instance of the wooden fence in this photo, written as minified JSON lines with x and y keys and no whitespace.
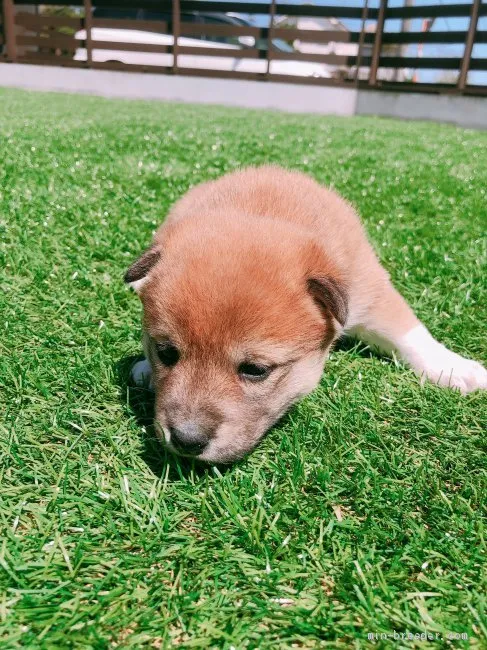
{"x":376,"y":57}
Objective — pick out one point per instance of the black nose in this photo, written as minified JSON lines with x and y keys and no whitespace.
{"x":189,"y":439}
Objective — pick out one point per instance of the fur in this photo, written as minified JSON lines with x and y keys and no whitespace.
{"x":265,"y":266}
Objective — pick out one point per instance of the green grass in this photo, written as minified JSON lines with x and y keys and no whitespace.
{"x":363,"y":512}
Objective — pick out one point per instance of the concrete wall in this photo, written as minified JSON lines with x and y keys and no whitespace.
{"x":137,"y":85}
{"x":456,"y":109}
{"x":325,"y":100}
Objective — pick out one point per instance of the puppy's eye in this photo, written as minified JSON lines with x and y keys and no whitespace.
{"x":253,"y":371}
{"x":168,"y":354}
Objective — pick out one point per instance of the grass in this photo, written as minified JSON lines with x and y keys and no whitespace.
{"x":363,"y":512}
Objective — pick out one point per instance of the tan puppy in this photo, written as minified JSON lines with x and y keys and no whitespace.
{"x":247,"y":284}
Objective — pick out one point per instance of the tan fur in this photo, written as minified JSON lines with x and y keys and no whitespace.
{"x":295,"y":200}
{"x":230,"y":285}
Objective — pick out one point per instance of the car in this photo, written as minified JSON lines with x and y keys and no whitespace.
{"x":230,"y":63}
{"x":198,"y":18}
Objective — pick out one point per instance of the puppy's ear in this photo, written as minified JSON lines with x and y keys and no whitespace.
{"x":331,"y":297}
{"x":138,"y":274}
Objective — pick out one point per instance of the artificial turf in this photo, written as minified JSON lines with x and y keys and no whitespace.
{"x":362,"y":513}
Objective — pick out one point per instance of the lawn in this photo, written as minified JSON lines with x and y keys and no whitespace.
{"x":362,"y":513}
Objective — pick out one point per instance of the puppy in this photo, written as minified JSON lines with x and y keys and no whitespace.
{"x":245,"y":288}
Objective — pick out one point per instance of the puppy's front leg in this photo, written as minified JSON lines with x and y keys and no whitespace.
{"x":141,"y":374}
{"x":391,"y":325}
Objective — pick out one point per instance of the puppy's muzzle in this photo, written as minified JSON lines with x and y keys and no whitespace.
{"x":189,"y":439}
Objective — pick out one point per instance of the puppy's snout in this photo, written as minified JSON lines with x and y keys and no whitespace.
{"x":189,"y":438}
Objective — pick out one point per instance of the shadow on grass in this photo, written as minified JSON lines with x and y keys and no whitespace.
{"x":358,"y":347}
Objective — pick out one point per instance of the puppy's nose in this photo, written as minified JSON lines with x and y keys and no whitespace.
{"x":189,"y":439}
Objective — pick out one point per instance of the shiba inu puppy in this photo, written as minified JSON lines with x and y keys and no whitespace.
{"x":246,"y":286}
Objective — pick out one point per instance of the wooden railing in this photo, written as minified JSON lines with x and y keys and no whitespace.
{"x":376,"y":57}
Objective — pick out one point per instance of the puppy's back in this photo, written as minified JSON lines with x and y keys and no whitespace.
{"x":289,"y":196}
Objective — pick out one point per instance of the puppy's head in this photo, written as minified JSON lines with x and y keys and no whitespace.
{"x":237,"y":324}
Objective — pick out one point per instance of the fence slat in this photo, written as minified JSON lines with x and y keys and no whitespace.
{"x":9,"y":29}
{"x":152,"y":48}
{"x":38,"y":22}
{"x":330,"y":59}
{"x":176,"y":20}
{"x":379,"y":29}
{"x":467,"y":54}
{"x":157,"y":26}
{"x":57,"y":41}
{"x":437,"y":10}
{"x":272,"y":16}
{"x":428,"y":63}
{"x":431,"y":37}
{"x":88,"y":25}
{"x":361,"y":42}
{"x":247,"y":53}
{"x":149,"y":48}
{"x":40,"y":58}
{"x":190,"y":29}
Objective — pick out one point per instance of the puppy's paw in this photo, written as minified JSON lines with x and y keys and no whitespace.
{"x":432,"y":360}
{"x":141,"y":374}
{"x":450,"y":370}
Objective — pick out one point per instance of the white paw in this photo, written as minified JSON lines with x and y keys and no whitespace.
{"x":453,"y":371}
{"x":141,"y":374}
{"x":432,"y":360}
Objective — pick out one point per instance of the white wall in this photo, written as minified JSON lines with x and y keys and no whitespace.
{"x":136,"y":85}
{"x":461,"y":110}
